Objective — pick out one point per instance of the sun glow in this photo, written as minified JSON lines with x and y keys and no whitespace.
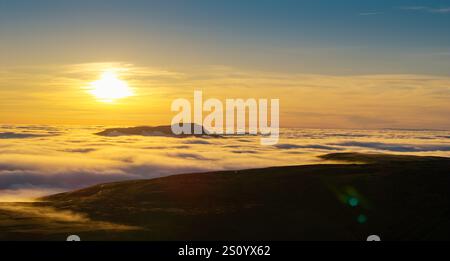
{"x":110,"y":88}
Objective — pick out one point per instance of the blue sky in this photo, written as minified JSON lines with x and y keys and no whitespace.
{"x":329,"y":37}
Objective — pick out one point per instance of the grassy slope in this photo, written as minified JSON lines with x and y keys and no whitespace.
{"x":402,"y":197}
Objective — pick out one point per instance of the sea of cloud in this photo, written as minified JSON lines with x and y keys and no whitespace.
{"x":41,"y":160}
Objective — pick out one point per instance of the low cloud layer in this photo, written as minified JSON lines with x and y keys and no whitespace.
{"x":13,"y":135}
{"x":33,"y":166}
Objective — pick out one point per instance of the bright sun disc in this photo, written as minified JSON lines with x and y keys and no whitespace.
{"x":110,"y":88}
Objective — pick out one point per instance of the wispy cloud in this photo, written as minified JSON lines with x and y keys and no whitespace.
{"x":440,"y":10}
{"x":369,"y":13}
{"x":346,"y":101}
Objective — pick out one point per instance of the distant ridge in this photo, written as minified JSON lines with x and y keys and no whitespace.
{"x":379,"y":158}
{"x":412,"y":129}
{"x":164,"y":130}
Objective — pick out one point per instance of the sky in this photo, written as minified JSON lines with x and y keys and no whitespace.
{"x":332,"y":64}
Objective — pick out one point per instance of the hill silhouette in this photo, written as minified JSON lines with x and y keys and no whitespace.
{"x":164,"y":130}
{"x":396,"y":197}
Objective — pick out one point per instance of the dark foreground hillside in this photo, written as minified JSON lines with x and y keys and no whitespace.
{"x":396,"y":197}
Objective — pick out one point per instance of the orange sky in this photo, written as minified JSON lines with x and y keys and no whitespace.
{"x":57,"y":94}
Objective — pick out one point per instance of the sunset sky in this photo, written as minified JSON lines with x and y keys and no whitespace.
{"x":332,"y":64}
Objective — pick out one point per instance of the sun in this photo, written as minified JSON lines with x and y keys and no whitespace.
{"x":110,"y":88}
